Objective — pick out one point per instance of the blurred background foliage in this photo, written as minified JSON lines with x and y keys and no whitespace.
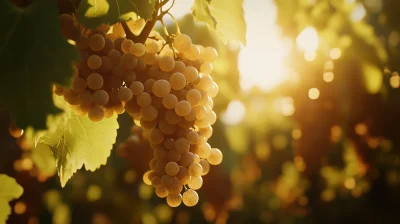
{"x":318,"y":143}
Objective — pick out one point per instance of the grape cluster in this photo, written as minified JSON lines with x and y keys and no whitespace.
{"x":167,"y":88}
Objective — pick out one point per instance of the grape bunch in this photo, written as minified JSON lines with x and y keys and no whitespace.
{"x":165,"y":85}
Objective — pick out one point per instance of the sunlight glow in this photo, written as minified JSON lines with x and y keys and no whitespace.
{"x":335,"y":53}
{"x":358,"y":12}
{"x":308,"y":40}
{"x":313,"y":93}
{"x":261,"y":62}
{"x":234,"y":114}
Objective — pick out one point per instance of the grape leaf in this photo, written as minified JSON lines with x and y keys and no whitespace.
{"x":76,"y":141}
{"x":43,"y":158}
{"x":33,"y":55}
{"x":92,"y":13}
{"x":226,"y":18}
{"x":9,"y":190}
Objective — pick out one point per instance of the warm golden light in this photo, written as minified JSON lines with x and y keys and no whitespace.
{"x":20,"y":208}
{"x":328,"y":76}
{"x":335,"y":53}
{"x":358,"y":12}
{"x":350,"y":183}
{"x":310,"y":55}
{"x":234,"y":114}
{"x":261,"y":62}
{"x":313,"y":93}
{"x":395,"y":81}
{"x":308,"y":40}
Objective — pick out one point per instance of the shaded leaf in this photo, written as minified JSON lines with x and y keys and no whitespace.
{"x":33,"y":55}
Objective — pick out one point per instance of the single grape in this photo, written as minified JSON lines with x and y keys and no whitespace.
{"x":100,"y":97}
{"x":125,"y":94}
{"x":126,"y":45}
{"x":192,"y":53}
{"x":170,"y":101}
{"x":166,"y":63}
{"x":191,"y":74}
{"x":138,"y":49}
{"x":190,"y":198}
{"x":96,"y":42}
{"x":128,"y":61}
{"x":205,"y":165}
{"x":206,"y":68}
{"x":172,"y":168}
{"x":177,"y":81}
{"x":183,"y":108}
{"x":182,"y":42}
{"x":186,"y":159}
{"x":174,"y":200}
{"x":161,"y":88}
{"x":137,"y":88}
{"x":206,"y":83}
{"x":94,"y":62}
{"x":85,"y":98}
{"x":94,"y":81}
{"x":192,"y":137}
{"x":204,"y":150}
{"x":161,"y":191}
{"x":215,"y":156}
{"x":195,"y":170}
{"x":78,"y":84}
{"x":193,"y":96}
{"x":144,"y":99}
{"x":149,"y":113}
{"x":209,"y":54}
{"x":195,"y":183}
{"x":96,"y":113}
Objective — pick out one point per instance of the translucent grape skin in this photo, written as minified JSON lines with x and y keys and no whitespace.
{"x":190,"y":198}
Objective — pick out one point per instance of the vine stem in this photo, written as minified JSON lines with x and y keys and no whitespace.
{"x":141,"y":38}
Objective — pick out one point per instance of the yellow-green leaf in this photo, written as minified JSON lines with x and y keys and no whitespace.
{"x":92,"y":13}
{"x":43,"y":158}
{"x":9,"y":190}
{"x":76,"y":141}
{"x":227,"y":18}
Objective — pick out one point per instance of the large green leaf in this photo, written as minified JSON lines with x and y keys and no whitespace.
{"x":33,"y":55}
{"x":9,"y":190}
{"x":227,"y":18}
{"x":92,"y":13}
{"x":76,"y":141}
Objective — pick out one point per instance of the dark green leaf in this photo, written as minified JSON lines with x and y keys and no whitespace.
{"x":33,"y":55}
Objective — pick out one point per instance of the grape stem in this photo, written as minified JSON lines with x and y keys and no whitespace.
{"x":141,"y":38}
